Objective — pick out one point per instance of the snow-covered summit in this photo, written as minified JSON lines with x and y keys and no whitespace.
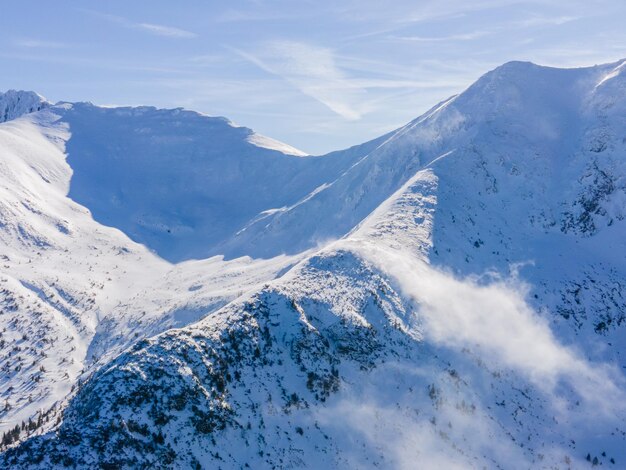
{"x":519,"y":112}
{"x":14,"y":104}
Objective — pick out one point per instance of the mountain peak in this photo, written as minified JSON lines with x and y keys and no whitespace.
{"x":16,"y":103}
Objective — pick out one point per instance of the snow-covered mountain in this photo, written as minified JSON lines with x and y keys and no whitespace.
{"x":450,"y":295}
{"x":14,"y":104}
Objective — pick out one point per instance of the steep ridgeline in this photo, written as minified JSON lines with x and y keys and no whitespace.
{"x":470,"y":315}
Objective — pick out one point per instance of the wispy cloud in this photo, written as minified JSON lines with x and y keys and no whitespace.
{"x":537,"y":20}
{"x":494,"y":320}
{"x":206,"y":59}
{"x":45,"y":57}
{"x":404,"y":434}
{"x":232,"y":16}
{"x":156,"y":29}
{"x":313,"y":71}
{"x":453,"y":37}
{"x":348,"y":86}
{"x":40,"y":44}
{"x":161,"y":30}
{"x":530,"y":22}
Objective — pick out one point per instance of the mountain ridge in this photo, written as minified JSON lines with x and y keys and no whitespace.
{"x":451,"y":291}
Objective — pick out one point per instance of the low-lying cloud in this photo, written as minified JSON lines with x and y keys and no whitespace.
{"x":494,"y":320}
{"x":448,"y":409}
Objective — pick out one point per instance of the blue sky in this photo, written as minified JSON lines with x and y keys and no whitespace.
{"x":319,"y":75}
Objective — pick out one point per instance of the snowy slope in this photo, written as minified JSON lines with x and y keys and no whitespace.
{"x":469,"y":315}
{"x":74,"y":292}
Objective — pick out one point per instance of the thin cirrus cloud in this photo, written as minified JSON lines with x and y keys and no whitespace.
{"x":39,"y":44}
{"x":455,"y":37}
{"x":352,"y":88}
{"x":534,"y":21}
{"x":313,"y":71}
{"x":155,"y":29}
{"x":346,"y":86}
{"x":537,"y":20}
{"x":168,"y":31}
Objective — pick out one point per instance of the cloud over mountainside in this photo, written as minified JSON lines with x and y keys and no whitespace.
{"x":181,"y":292}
